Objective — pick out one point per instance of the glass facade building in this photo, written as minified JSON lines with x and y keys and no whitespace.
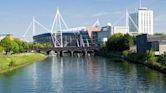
{"x":82,"y":38}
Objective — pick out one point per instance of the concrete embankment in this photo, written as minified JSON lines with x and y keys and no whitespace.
{"x":12,"y":62}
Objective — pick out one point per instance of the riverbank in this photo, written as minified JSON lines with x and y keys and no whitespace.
{"x":136,"y":59}
{"x":148,"y":59}
{"x":12,"y":62}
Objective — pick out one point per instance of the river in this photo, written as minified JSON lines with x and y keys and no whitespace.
{"x":83,"y":75}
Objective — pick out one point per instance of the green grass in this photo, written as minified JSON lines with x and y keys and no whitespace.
{"x":11,"y":62}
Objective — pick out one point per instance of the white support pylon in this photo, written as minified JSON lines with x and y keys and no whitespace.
{"x":87,"y":42}
{"x":56,"y":29}
{"x":118,"y":20}
{"x":27,"y":30}
{"x":34,"y":27}
{"x":97,"y":23}
{"x":29,"y":27}
{"x":127,"y":18}
{"x":133,"y":22}
{"x":38,"y":23}
{"x":82,"y":41}
{"x":78,"y":43}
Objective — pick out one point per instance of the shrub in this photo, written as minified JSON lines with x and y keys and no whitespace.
{"x":150,"y":56}
{"x":162,"y":59}
{"x":126,"y":53}
{"x":1,"y":49}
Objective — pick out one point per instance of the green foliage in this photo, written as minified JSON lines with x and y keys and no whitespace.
{"x":114,"y":43}
{"x":150,"y":56}
{"x":119,"y":42}
{"x":162,"y":59}
{"x":134,"y":40}
{"x":158,"y":34}
{"x":15,"y":48}
{"x":125,"y":53}
{"x":7,"y":44}
{"x":133,"y":56}
{"x":25,"y":45}
{"x":18,"y":46}
{"x":128,"y":41}
{"x":22,"y":45}
{"x":41,"y":45}
{"x":10,"y":62}
{"x":1,"y":49}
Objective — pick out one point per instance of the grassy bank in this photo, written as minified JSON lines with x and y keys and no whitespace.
{"x":148,"y":59}
{"x":144,"y":59}
{"x":11,"y":62}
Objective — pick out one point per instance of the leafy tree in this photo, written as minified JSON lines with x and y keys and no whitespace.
{"x":7,"y":44}
{"x":1,"y":49}
{"x":47,"y":45}
{"x":128,"y":41}
{"x":15,"y":48}
{"x":113,"y":42}
{"x":19,"y":43}
{"x":25,"y":45}
{"x":119,"y":42}
{"x":22,"y":45}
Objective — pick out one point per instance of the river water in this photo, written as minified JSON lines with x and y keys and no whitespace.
{"x":83,"y":75}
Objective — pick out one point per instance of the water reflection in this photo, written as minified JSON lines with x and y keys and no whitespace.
{"x":57,"y":74}
{"x":84,"y":75}
{"x":34,"y":77}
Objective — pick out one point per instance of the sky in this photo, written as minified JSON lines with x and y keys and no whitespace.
{"x":16,"y":15}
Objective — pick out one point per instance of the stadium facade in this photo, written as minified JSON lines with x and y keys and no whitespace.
{"x":89,"y":37}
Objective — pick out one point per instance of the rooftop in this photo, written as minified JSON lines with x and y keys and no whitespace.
{"x":143,"y":8}
{"x":156,"y":38}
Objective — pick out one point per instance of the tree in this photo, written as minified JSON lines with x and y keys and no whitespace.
{"x":128,"y":41}
{"x":25,"y":45}
{"x":15,"y":48}
{"x":1,"y":49}
{"x":7,"y":44}
{"x":20,"y":45}
{"x":113,"y":42}
{"x":119,"y":42}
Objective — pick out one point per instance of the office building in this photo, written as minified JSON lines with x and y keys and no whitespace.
{"x":141,"y":21}
{"x":120,"y":29}
{"x":145,"y":42}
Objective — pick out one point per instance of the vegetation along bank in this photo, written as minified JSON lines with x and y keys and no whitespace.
{"x":118,"y":47}
{"x":12,"y":62}
{"x":13,"y":53}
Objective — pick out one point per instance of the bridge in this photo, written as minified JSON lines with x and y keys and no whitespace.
{"x":60,"y":51}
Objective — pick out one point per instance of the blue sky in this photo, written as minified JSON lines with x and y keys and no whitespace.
{"x":15,"y":15}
